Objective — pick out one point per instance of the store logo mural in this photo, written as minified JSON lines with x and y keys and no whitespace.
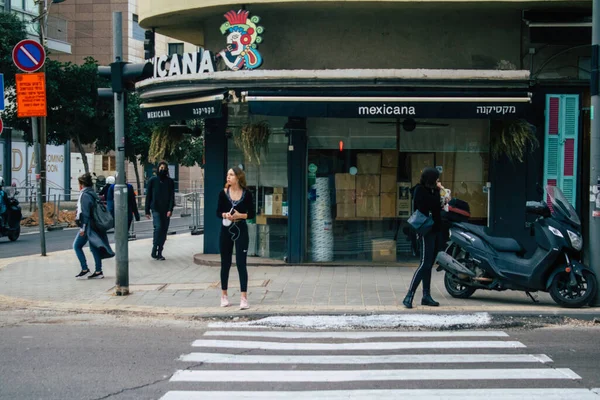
{"x":243,"y":38}
{"x":242,"y":41}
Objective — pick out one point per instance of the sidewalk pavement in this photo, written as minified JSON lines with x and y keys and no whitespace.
{"x":178,"y":287}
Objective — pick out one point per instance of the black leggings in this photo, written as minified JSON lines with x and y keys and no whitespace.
{"x":235,"y":233}
{"x":429,"y":249}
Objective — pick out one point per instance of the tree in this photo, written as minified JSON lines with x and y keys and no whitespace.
{"x":138,"y":135}
{"x":12,"y":31}
{"x":73,"y":114}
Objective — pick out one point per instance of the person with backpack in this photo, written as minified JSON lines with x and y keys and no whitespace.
{"x":90,"y":231}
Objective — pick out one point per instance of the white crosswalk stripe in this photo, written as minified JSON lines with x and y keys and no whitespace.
{"x":334,"y":366}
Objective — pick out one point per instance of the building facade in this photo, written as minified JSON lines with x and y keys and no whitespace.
{"x":344,"y":104}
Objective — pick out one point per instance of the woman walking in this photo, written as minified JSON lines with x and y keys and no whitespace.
{"x":235,"y":207}
{"x":428,"y":201}
{"x":99,"y":245}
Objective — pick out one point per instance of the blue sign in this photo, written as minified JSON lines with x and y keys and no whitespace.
{"x":29,"y":55}
{"x":1,"y":92}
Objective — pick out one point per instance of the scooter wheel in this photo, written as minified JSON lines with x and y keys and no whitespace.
{"x":456,"y":288}
{"x":566,"y":295}
{"x":14,"y":235}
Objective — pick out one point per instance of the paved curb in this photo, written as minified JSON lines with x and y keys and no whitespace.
{"x":232,"y":312}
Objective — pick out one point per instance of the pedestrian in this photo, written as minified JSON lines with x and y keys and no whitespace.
{"x":160,"y":200}
{"x":235,"y":207}
{"x":428,"y":201}
{"x":132,"y":208}
{"x":104,"y":192}
{"x":99,"y":245}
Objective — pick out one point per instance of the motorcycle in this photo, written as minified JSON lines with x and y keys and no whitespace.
{"x":475,"y":260}
{"x":10,"y":225}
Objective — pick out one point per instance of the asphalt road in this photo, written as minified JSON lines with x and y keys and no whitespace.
{"x":29,"y":241}
{"x":116,"y":357}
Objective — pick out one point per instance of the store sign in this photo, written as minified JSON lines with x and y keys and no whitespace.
{"x":241,"y":52}
{"x":351,"y":109}
{"x":171,"y":112}
{"x":188,"y":64}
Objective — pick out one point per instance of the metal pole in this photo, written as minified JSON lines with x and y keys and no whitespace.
{"x":7,"y":172}
{"x":40,"y":204}
{"x":594,"y":217}
{"x":121,"y":232}
{"x":43,"y":10}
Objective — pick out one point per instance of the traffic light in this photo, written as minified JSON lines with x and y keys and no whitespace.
{"x":123,"y":76}
{"x":149,"y":45}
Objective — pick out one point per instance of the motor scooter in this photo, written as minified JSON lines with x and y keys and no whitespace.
{"x":476,"y":260}
{"x":10,"y":222}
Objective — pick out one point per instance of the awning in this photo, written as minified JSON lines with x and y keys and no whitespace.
{"x":334,"y":104}
{"x":183,"y":109}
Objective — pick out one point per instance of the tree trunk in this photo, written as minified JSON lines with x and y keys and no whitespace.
{"x":139,"y":184}
{"x":82,"y":152}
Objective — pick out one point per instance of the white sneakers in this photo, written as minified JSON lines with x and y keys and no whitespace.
{"x":243,"y":302}
{"x":224,"y":301}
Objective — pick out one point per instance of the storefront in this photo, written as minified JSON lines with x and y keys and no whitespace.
{"x":340,"y":149}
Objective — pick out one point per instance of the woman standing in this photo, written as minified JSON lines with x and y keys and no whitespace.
{"x":235,"y":207}
{"x":99,"y":245}
{"x":427,"y":200}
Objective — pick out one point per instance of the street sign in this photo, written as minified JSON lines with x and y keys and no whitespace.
{"x":28,"y":55}
{"x":31,"y":95}
{"x":1,"y":92}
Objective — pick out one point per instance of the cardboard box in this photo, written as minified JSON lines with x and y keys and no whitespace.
{"x":418,"y":162}
{"x":277,"y":190}
{"x":388,"y":184}
{"x":345,"y":196}
{"x":345,"y":182}
{"x":388,"y":205}
{"x":261,"y":219}
{"x":383,"y":250}
{"x":368,"y":163}
{"x":346,"y":210}
{"x":277,"y":198}
{"x":389,"y":158}
{"x":367,"y":185}
{"x":367,"y":206}
{"x":389,"y":171}
{"x":403,"y":200}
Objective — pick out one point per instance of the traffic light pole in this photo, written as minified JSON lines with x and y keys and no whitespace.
{"x":593,"y":238}
{"x":121,"y":235}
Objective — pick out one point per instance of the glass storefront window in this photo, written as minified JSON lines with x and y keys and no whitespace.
{"x":268,"y":181}
{"x":361,"y":173}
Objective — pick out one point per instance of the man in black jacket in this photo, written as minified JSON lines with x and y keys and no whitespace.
{"x":160,"y":199}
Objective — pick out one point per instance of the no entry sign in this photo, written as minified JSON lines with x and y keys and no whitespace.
{"x":29,"y":55}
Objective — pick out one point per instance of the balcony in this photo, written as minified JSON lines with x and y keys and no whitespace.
{"x":57,"y":35}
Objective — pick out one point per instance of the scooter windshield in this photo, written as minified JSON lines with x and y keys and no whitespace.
{"x":560,"y":205}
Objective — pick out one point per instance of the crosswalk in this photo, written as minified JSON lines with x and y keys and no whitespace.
{"x":360,"y":365}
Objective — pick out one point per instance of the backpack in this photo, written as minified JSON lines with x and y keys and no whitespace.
{"x":102,"y":220}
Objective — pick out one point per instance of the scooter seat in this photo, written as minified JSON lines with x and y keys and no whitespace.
{"x":501,"y":244}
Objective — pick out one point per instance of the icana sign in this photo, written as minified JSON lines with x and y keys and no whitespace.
{"x":241,"y":52}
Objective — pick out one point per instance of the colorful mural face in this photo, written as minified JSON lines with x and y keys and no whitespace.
{"x":243,"y":37}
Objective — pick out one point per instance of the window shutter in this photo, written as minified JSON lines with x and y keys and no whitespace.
{"x":561,"y":144}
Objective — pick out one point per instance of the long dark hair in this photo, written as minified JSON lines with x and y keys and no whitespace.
{"x":241,"y":176}
{"x":429,"y":177}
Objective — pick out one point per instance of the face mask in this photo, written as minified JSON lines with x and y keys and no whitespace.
{"x":162,"y":173}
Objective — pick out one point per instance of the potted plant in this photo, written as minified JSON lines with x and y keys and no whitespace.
{"x":252,"y":139}
{"x":512,"y":138}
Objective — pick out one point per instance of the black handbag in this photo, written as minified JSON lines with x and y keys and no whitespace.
{"x":420,"y":222}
